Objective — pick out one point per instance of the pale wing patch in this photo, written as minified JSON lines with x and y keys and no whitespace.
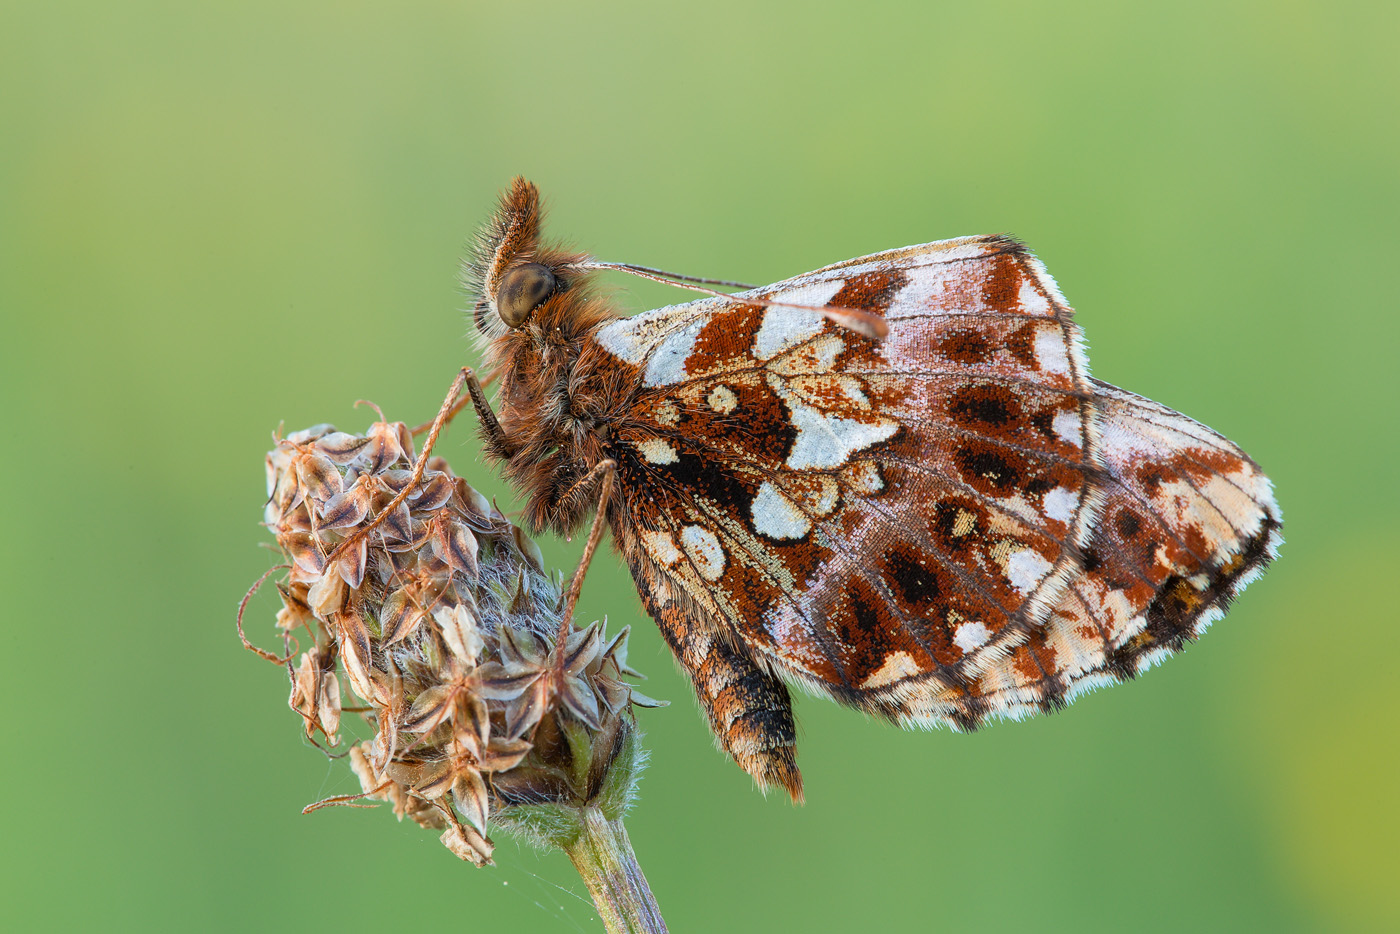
{"x":723,"y":400}
{"x":815,"y":495}
{"x":661,"y":546}
{"x":1032,"y":301}
{"x":658,"y":451}
{"x":819,"y":356}
{"x":1067,"y":426}
{"x":897,"y":666}
{"x":785,"y":328}
{"x":864,"y":478}
{"x":666,"y":364}
{"x":825,"y":440}
{"x":1050,"y":350}
{"x":777,"y":516}
{"x":704,"y":549}
{"x":631,"y":339}
{"x":1061,"y":503}
{"x":1026,"y":569}
{"x":970,"y":636}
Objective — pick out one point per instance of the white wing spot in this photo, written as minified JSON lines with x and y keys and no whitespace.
{"x":666,"y":364}
{"x":705,"y":550}
{"x":658,"y":451}
{"x":631,"y":339}
{"x":971,"y":636}
{"x":1050,"y":350}
{"x":1068,"y":426}
{"x":784,"y":328}
{"x":1060,"y":504}
{"x":723,"y":400}
{"x":827,"y":440}
{"x":897,"y":665}
{"x":1026,"y":569}
{"x":777,"y":516}
{"x":661,"y":546}
{"x":1031,"y":301}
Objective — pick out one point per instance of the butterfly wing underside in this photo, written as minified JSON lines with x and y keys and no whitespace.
{"x":873,"y":519}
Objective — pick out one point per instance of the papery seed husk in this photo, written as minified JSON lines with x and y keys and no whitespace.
{"x":305,"y":553}
{"x":319,"y":476}
{"x":502,"y":755}
{"x":454,"y":543}
{"x":354,"y":650}
{"x":578,"y":696}
{"x":329,"y":704}
{"x":460,"y":633}
{"x":495,"y":682}
{"x":398,"y":524}
{"x":430,"y":708}
{"x":400,"y":616}
{"x":437,"y":489}
{"x":581,"y":649}
{"x":351,"y":565}
{"x":405,"y":439}
{"x":346,"y":508}
{"x":521,"y":650}
{"x":306,"y":435}
{"x":428,"y":780}
{"x":473,"y":504}
{"x":614,"y":694}
{"x":476,"y":730}
{"x":467,"y":844}
{"x":527,"y":709}
{"x":340,"y":447}
{"x":473,"y":802}
{"x":638,"y":699}
{"x":383,"y":448}
{"x":327,"y":594}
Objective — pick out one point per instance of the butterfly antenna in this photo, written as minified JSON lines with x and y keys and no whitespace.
{"x":858,"y":320}
{"x":670,"y":278}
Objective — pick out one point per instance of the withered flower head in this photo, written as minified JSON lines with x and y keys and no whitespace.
{"x":446,"y":627}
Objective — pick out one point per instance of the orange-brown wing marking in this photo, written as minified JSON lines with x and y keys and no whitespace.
{"x":866,"y":514}
{"x":1188,"y":521}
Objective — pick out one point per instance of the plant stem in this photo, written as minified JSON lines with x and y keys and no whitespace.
{"x":603,"y":856}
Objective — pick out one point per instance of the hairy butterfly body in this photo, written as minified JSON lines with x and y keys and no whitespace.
{"x":950,"y":523}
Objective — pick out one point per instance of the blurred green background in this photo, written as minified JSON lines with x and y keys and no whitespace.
{"x":215,"y":217}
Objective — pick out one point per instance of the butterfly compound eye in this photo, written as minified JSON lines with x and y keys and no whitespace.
{"x":521,"y":291}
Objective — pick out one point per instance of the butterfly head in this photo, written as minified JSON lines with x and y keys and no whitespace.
{"x":523,"y":289}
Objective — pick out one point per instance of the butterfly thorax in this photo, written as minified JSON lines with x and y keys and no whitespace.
{"x":558,"y":408}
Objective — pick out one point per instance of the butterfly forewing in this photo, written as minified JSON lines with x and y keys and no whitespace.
{"x":869,"y":515}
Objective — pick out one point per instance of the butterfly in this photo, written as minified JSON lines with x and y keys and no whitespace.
{"x":892,"y":481}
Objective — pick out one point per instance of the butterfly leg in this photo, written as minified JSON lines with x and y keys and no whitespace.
{"x":602,"y":474}
{"x":464,"y":377}
{"x":749,"y":709}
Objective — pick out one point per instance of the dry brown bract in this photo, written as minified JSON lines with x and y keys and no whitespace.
{"x":444,"y":624}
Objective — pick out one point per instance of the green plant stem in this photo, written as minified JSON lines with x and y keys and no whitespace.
{"x":603,"y":856}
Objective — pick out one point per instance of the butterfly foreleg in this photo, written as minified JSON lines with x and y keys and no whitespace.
{"x":444,"y":415}
{"x":495,"y":435}
{"x":602,"y":476}
{"x":748,"y":708}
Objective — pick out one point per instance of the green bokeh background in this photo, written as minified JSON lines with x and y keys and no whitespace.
{"x":214,"y":217}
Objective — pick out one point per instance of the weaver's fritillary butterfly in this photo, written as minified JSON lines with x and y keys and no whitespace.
{"x":892,"y":481}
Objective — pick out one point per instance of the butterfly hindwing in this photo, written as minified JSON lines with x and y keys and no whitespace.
{"x":1188,"y":521}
